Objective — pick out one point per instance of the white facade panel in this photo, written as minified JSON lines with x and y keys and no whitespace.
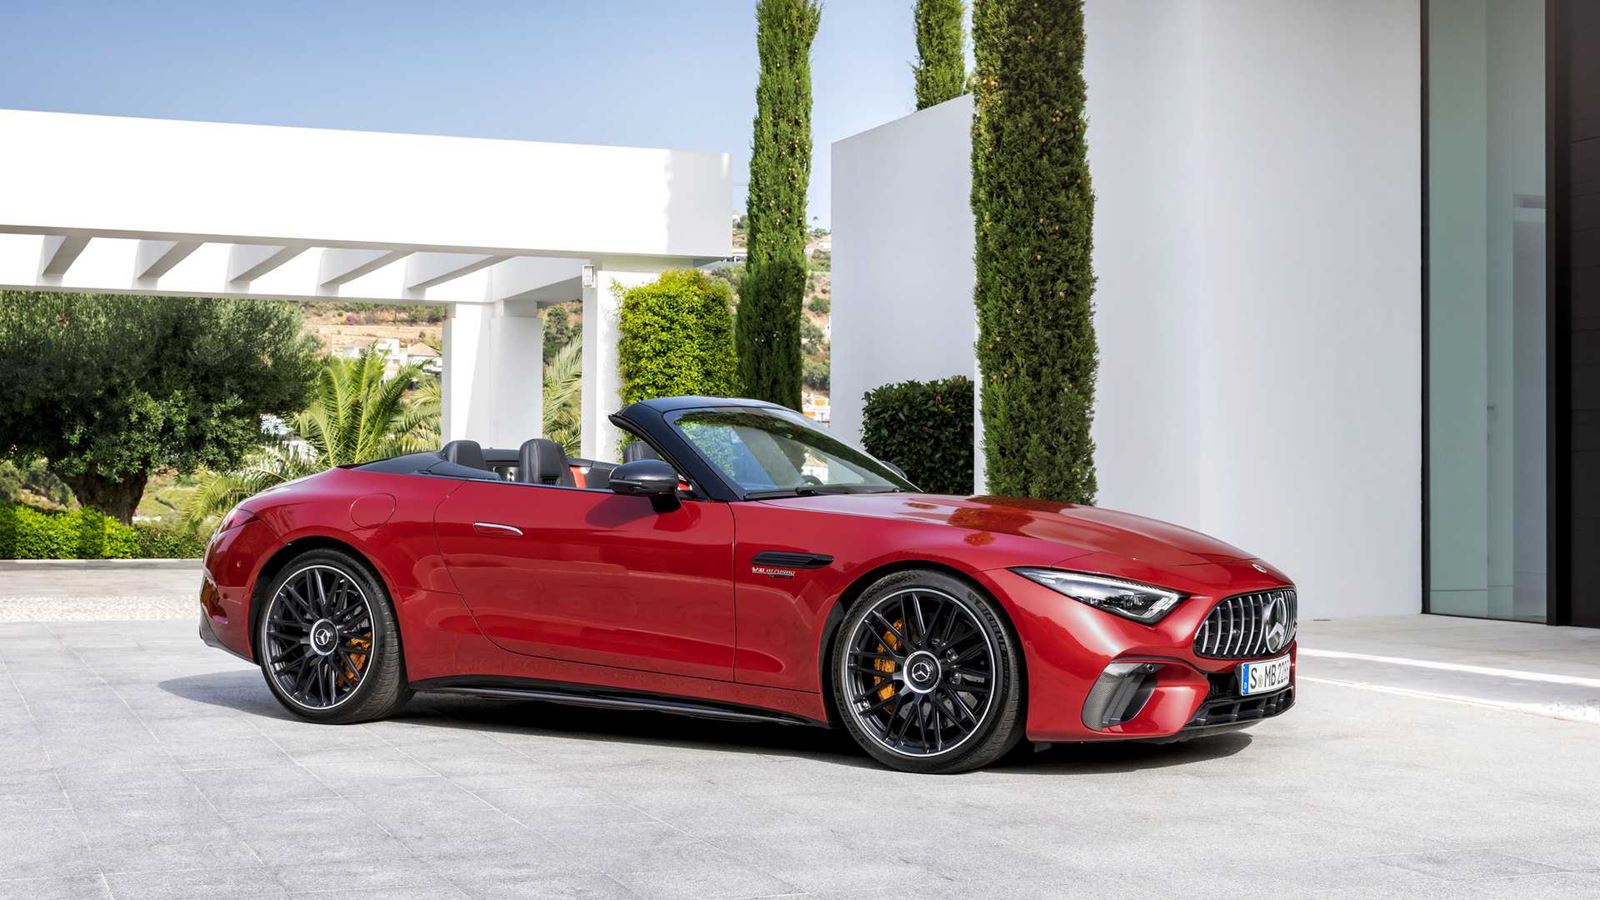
{"x":902,"y":242}
{"x":1257,"y":243}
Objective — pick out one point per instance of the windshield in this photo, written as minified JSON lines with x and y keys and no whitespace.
{"x":772,"y":453}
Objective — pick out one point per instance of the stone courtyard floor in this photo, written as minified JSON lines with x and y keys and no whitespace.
{"x":136,"y":762}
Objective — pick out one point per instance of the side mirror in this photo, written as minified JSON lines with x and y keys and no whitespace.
{"x":647,"y":478}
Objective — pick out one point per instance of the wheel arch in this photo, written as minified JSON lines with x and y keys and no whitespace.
{"x":281,"y":558}
{"x":858,"y":586}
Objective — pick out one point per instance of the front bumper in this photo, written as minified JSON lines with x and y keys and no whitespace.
{"x":1094,"y":676}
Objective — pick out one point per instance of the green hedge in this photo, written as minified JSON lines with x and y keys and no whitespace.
{"x":925,"y":428}
{"x":28,"y":533}
{"x":677,"y":338}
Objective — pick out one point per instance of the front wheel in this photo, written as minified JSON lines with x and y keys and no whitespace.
{"x":927,"y":677}
{"x":328,"y":643}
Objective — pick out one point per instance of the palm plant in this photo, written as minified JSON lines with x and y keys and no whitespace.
{"x":563,"y":397}
{"x":356,"y":415}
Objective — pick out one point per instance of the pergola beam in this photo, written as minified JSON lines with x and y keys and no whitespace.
{"x":426,"y":270}
{"x":247,"y":262}
{"x":59,"y":253}
{"x":156,"y":258}
{"x":340,"y":266}
{"x":539,"y":279}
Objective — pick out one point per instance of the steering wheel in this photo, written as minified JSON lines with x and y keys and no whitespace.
{"x":810,"y":479}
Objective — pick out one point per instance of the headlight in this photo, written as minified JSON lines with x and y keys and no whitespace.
{"x":1128,"y":599}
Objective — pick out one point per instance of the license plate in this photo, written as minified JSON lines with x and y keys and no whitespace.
{"x":1263,"y":677}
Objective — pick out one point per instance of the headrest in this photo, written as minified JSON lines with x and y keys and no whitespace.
{"x":638,"y":450}
{"x":542,"y":461}
{"x":464,"y":453}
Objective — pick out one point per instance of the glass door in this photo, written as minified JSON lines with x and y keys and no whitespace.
{"x":1486,"y":308}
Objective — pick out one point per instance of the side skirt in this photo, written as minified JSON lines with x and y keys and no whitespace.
{"x":604,"y":698}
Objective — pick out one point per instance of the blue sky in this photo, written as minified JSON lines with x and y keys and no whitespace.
{"x":663,"y":74}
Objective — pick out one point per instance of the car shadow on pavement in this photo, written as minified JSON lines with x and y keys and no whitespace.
{"x":243,"y":691}
{"x":1120,"y":756}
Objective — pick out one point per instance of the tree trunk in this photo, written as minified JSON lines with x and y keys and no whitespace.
{"x":117,"y":499}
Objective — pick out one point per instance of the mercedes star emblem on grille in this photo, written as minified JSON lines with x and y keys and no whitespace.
{"x":1275,"y":619}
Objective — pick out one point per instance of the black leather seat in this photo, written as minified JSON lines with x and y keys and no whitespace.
{"x":465,"y":453}
{"x":542,"y":461}
{"x":639,"y":450}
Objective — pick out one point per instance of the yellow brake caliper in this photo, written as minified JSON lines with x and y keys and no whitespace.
{"x":887,"y":666}
{"x":358,"y":659}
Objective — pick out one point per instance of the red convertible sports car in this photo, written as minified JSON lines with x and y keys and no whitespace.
{"x":743,"y":564}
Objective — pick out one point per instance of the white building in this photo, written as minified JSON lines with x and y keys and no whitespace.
{"x":1321,"y":338}
{"x":494,"y":230}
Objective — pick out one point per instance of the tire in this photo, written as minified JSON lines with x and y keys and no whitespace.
{"x":913,"y":646}
{"x":322,"y":609}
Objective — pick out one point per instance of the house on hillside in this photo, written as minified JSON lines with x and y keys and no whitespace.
{"x":420,"y":354}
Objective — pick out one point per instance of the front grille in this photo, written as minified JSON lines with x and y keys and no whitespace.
{"x":1245,"y":626}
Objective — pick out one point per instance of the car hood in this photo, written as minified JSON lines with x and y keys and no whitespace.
{"x":1074,"y":530}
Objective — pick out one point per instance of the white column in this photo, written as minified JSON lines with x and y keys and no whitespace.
{"x":601,"y":304}
{"x":460,"y":360}
{"x":493,"y":375}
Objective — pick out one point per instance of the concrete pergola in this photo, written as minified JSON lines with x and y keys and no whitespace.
{"x":492,"y":229}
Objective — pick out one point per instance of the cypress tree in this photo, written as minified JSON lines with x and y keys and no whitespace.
{"x":941,"y":70}
{"x":1034,"y":212}
{"x":774,"y":283}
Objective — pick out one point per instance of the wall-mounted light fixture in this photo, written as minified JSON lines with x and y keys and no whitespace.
{"x":588,"y":276}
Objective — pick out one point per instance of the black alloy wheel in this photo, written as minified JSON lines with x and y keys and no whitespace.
{"x":926,"y":674}
{"x":327,"y":640}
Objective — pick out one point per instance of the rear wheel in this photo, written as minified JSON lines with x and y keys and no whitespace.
{"x":328,"y":643}
{"x":927,"y":677}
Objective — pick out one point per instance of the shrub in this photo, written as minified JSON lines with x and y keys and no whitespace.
{"x":676,"y":338}
{"x":164,"y":542}
{"x":817,"y":374}
{"x":28,"y":533}
{"x":1033,"y":210}
{"x":812,"y":339}
{"x":925,"y":428}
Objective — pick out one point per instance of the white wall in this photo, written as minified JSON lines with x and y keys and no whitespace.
{"x":1145,"y":156}
{"x":902,"y":242}
{"x":1310,"y":294}
{"x":1257,"y":172}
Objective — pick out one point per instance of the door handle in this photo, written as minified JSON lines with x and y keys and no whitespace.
{"x":496,"y":528}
